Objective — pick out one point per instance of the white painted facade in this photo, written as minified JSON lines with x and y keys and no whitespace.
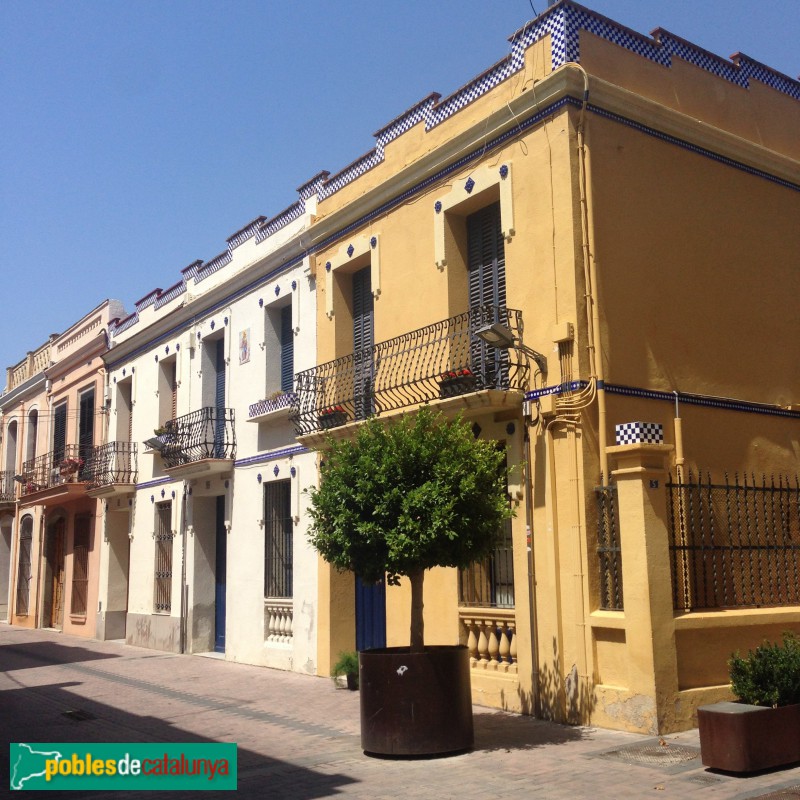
{"x":164,"y":365}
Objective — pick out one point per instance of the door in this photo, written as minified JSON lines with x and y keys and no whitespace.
{"x":370,"y":614}
{"x":54,"y":590}
{"x":487,"y":292}
{"x":363,"y":334}
{"x":220,"y":570}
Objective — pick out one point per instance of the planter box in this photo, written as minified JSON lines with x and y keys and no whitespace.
{"x":415,"y":704}
{"x":334,"y":420}
{"x":736,"y":737}
{"x":452,"y":387}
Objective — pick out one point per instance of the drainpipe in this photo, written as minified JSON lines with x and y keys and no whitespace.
{"x":184,"y":587}
{"x":678,"y":425}
{"x":590,"y":277}
{"x":531,"y":561}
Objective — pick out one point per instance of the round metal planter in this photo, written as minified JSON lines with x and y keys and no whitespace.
{"x":415,"y":704}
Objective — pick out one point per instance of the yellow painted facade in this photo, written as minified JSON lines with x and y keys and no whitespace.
{"x":649,"y":216}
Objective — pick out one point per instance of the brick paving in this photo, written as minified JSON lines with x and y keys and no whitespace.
{"x":298,"y":736}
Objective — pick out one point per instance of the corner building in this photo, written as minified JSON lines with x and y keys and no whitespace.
{"x":624,"y":208}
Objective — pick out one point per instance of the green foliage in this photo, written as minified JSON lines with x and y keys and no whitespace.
{"x":769,"y":675}
{"x":408,"y":495}
{"x":346,"y":665}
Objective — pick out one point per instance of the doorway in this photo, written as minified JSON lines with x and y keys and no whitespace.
{"x":53,"y":610}
{"x":220,"y":570}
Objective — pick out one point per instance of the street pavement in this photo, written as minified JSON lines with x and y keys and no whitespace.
{"x":298,"y":735}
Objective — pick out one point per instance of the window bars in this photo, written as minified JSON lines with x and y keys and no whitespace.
{"x":734,"y":544}
{"x":609,"y":552}
{"x":162,"y":602}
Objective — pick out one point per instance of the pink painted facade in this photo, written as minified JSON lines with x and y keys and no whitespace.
{"x":54,"y":419}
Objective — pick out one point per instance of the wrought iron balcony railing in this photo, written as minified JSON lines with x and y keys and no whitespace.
{"x":66,"y":464}
{"x":441,"y":360}
{"x":114,"y":462}
{"x":8,"y":491}
{"x":205,"y":433}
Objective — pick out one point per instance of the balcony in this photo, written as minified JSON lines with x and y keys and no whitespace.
{"x":54,"y":477}
{"x":8,"y":488}
{"x":111,"y":469}
{"x":443,"y":362}
{"x":203,"y":441}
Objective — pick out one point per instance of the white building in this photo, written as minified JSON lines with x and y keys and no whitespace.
{"x":206,"y":541}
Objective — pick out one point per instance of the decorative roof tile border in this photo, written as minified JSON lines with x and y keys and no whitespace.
{"x":250,"y":461}
{"x":563,"y":22}
{"x":708,"y":401}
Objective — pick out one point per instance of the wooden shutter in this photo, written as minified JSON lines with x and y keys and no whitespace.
{"x":486,"y":258}
{"x":363,"y":334}
{"x":287,"y":349}
{"x":59,"y":432}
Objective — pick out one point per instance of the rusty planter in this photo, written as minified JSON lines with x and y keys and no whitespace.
{"x":736,"y":737}
{"x":415,"y":704}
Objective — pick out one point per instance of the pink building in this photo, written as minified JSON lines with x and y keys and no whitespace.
{"x":54,"y":422}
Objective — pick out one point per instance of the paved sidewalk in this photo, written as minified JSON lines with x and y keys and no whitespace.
{"x":298,"y":735}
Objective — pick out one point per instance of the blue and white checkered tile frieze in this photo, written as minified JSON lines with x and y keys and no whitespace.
{"x":640,"y":433}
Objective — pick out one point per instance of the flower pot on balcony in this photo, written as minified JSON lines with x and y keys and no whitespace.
{"x":452,"y":384}
{"x":737,"y":737}
{"x":332,"y":419}
{"x":415,"y":704}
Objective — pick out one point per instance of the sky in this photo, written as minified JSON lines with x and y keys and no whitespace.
{"x":137,"y":136}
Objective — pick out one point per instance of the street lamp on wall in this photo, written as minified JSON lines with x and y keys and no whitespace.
{"x":501,"y":337}
{"x":154,"y":444}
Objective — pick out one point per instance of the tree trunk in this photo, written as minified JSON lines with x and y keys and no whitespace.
{"x":417,"y":621}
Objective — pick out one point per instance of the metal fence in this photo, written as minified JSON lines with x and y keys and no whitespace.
{"x":736,"y":544}
{"x":609,"y":552}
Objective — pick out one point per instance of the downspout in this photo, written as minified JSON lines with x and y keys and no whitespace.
{"x":531,"y":562}
{"x":184,"y":587}
{"x":590,"y":277}
{"x":678,"y":426}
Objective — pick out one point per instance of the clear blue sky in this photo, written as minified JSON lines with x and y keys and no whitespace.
{"x":137,"y":136}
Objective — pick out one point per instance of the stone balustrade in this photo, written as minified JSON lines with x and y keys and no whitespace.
{"x":490,"y":635}
{"x":278,"y":620}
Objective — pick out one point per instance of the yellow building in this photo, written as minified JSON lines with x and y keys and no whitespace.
{"x":626,"y":208}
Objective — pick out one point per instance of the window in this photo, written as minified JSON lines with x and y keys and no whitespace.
{"x":167,"y":391}
{"x":86,"y":426}
{"x":163,"y":559}
{"x":490,"y":583}
{"x":24,"y":565}
{"x":59,"y":433}
{"x":278,"y":347}
{"x":287,"y":349}
{"x":278,"y":525}
{"x":80,"y":566}
{"x":486,"y":267}
{"x":363,"y":340}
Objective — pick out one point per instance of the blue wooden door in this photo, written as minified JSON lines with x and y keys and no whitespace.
{"x":219,"y":577}
{"x":370,"y":614}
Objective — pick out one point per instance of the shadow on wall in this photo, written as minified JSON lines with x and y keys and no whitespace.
{"x":564,"y":699}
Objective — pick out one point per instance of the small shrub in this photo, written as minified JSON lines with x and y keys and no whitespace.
{"x":346,"y":665}
{"x":769,"y":675}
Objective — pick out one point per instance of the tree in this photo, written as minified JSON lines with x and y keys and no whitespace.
{"x":405,"y":496}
